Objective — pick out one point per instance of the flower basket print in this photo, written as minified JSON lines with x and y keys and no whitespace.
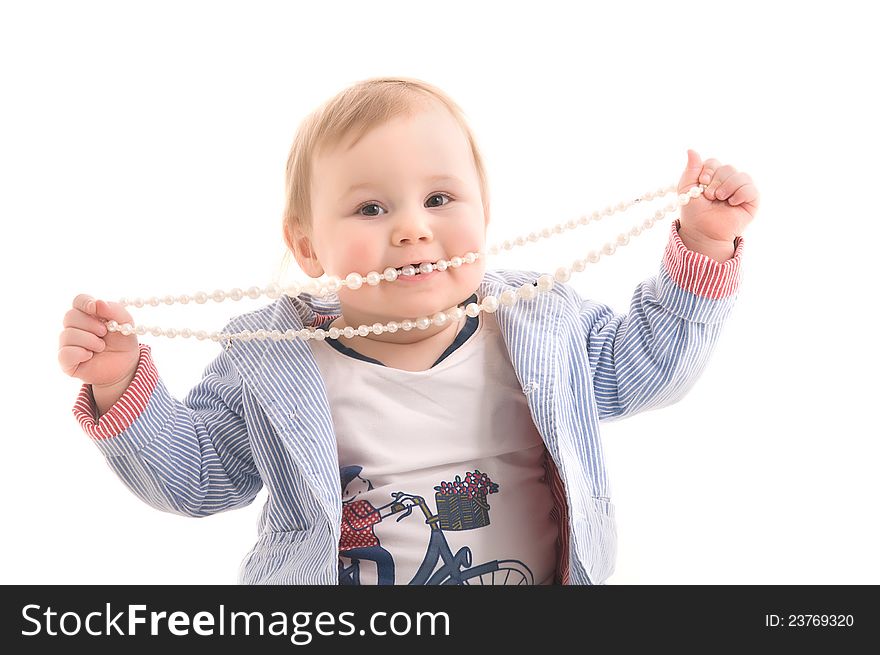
{"x":463,"y":504}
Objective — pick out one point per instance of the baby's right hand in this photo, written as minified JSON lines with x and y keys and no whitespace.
{"x":88,"y":351}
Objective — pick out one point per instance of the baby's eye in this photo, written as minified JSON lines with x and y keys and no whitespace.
{"x":373,"y":204}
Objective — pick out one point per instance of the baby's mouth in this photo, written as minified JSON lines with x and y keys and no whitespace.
{"x":418,"y":268}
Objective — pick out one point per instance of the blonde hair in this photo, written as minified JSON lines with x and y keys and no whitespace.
{"x":356,"y":110}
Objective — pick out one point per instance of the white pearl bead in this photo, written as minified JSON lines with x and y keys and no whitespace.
{"x":363,"y":330}
{"x":426,"y":267}
{"x":508,"y":298}
{"x":489,"y":304}
{"x":593,"y":256}
{"x":333,"y":283}
{"x":472,"y":309}
{"x":168,"y":300}
{"x":441,"y":265}
{"x":334,"y":332}
{"x":493,"y":250}
{"x":635,"y":230}
{"x":423,"y":322}
{"x":153,"y":301}
{"x":562,"y":274}
{"x":112,"y":325}
{"x":545,"y":283}
{"x":683,"y":199}
{"x":293,"y":290}
{"x":373,"y":278}
{"x":660,"y":192}
{"x":126,"y":329}
{"x":186,"y":333}
{"x":668,"y":209}
{"x":648,"y":223}
{"x":455,"y":262}
{"x":218,"y":295}
{"x":183,"y":299}
{"x":533,"y":237}
{"x":253,"y":292}
{"x":156,"y":331}
{"x":506,"y":245}
{"x":407,"y":325}
{"x":455,"y":314}
{"x":304,"y":334}
{"x":546,"y":233}
{"x":440,"y":319}
{"x":392,"y":327}
{"x":378,"y":328}
{"x":621,"y":206}
{"x":200,"y":297}
{"x":261,"y":334}
{"x":138,"y":302}
{"x":408,"y":271}
{"x":519,"y":241}
{"x":470,"y":258}
{"x":290,"y":335}
{"x":571,"y":224}
{"x":609,"y":249}
{"x":277,"y":335}
{"x":622,"y":239}
{"x":390,"y":274}
{"x":648,"y":196}
{"x":140,"y":329}
{"x":527,"y":291}
{"x":608,"y":210}
{"x":558,"y":228}
{"x":595,"y":216}
{"x":578,"y":265}
{"x":214,"y":336}
{"x":695,"y":192}
{"x":584,"y":219}
{"x":201,"y":335}
{"x":245,"y":335}
{"x":354,"y":281}
{"x":319,"y":334}
{"x":272,"y":291}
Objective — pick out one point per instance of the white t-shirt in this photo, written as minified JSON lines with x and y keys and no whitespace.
{"x":412,"y":431}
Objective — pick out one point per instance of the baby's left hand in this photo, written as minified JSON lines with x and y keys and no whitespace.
{"x":726,"y":207}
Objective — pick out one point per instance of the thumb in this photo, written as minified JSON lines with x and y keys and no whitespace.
{"x":691,"y":175}
{"x":112,"y":311}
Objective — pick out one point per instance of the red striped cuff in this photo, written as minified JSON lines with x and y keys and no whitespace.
{"x":126,"y":410}
{"x":698,"y":273}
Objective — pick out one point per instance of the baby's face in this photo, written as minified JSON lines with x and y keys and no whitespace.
{"x":403,"y":214}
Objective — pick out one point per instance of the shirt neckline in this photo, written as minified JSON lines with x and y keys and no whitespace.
{"x":470,"y":327}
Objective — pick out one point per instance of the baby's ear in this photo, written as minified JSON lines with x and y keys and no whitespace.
{"x":301,"y":247}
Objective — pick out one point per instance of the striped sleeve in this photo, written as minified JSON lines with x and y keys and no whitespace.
{"x":129,"y":406}
{"x":652,"y":355}
{"x":190,"y":457}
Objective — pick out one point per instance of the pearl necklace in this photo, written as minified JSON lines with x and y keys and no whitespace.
{"x":355,"y":281}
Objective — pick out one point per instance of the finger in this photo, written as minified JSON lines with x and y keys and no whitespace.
{"x":691,"y":171}
{"x":718,"y":179}
{"x":731,"y":184}
{"x":70,"y":357}
{"x":75,"y":337}
{"x":84,"y":303}
{"x":746,"y":193}
{"x":709,"y":168}
{"x":112,"y":311}
{"x":78,"y":319}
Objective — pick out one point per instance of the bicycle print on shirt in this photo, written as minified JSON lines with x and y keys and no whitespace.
{"x":461,"y":505}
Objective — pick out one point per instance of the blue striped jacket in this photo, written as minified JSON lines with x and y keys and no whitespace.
{"x":260,"y":415}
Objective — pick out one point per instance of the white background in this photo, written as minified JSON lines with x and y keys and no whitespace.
{"x":143,"y":150}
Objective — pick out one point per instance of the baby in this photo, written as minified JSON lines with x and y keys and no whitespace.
{"x":465,"y":453}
